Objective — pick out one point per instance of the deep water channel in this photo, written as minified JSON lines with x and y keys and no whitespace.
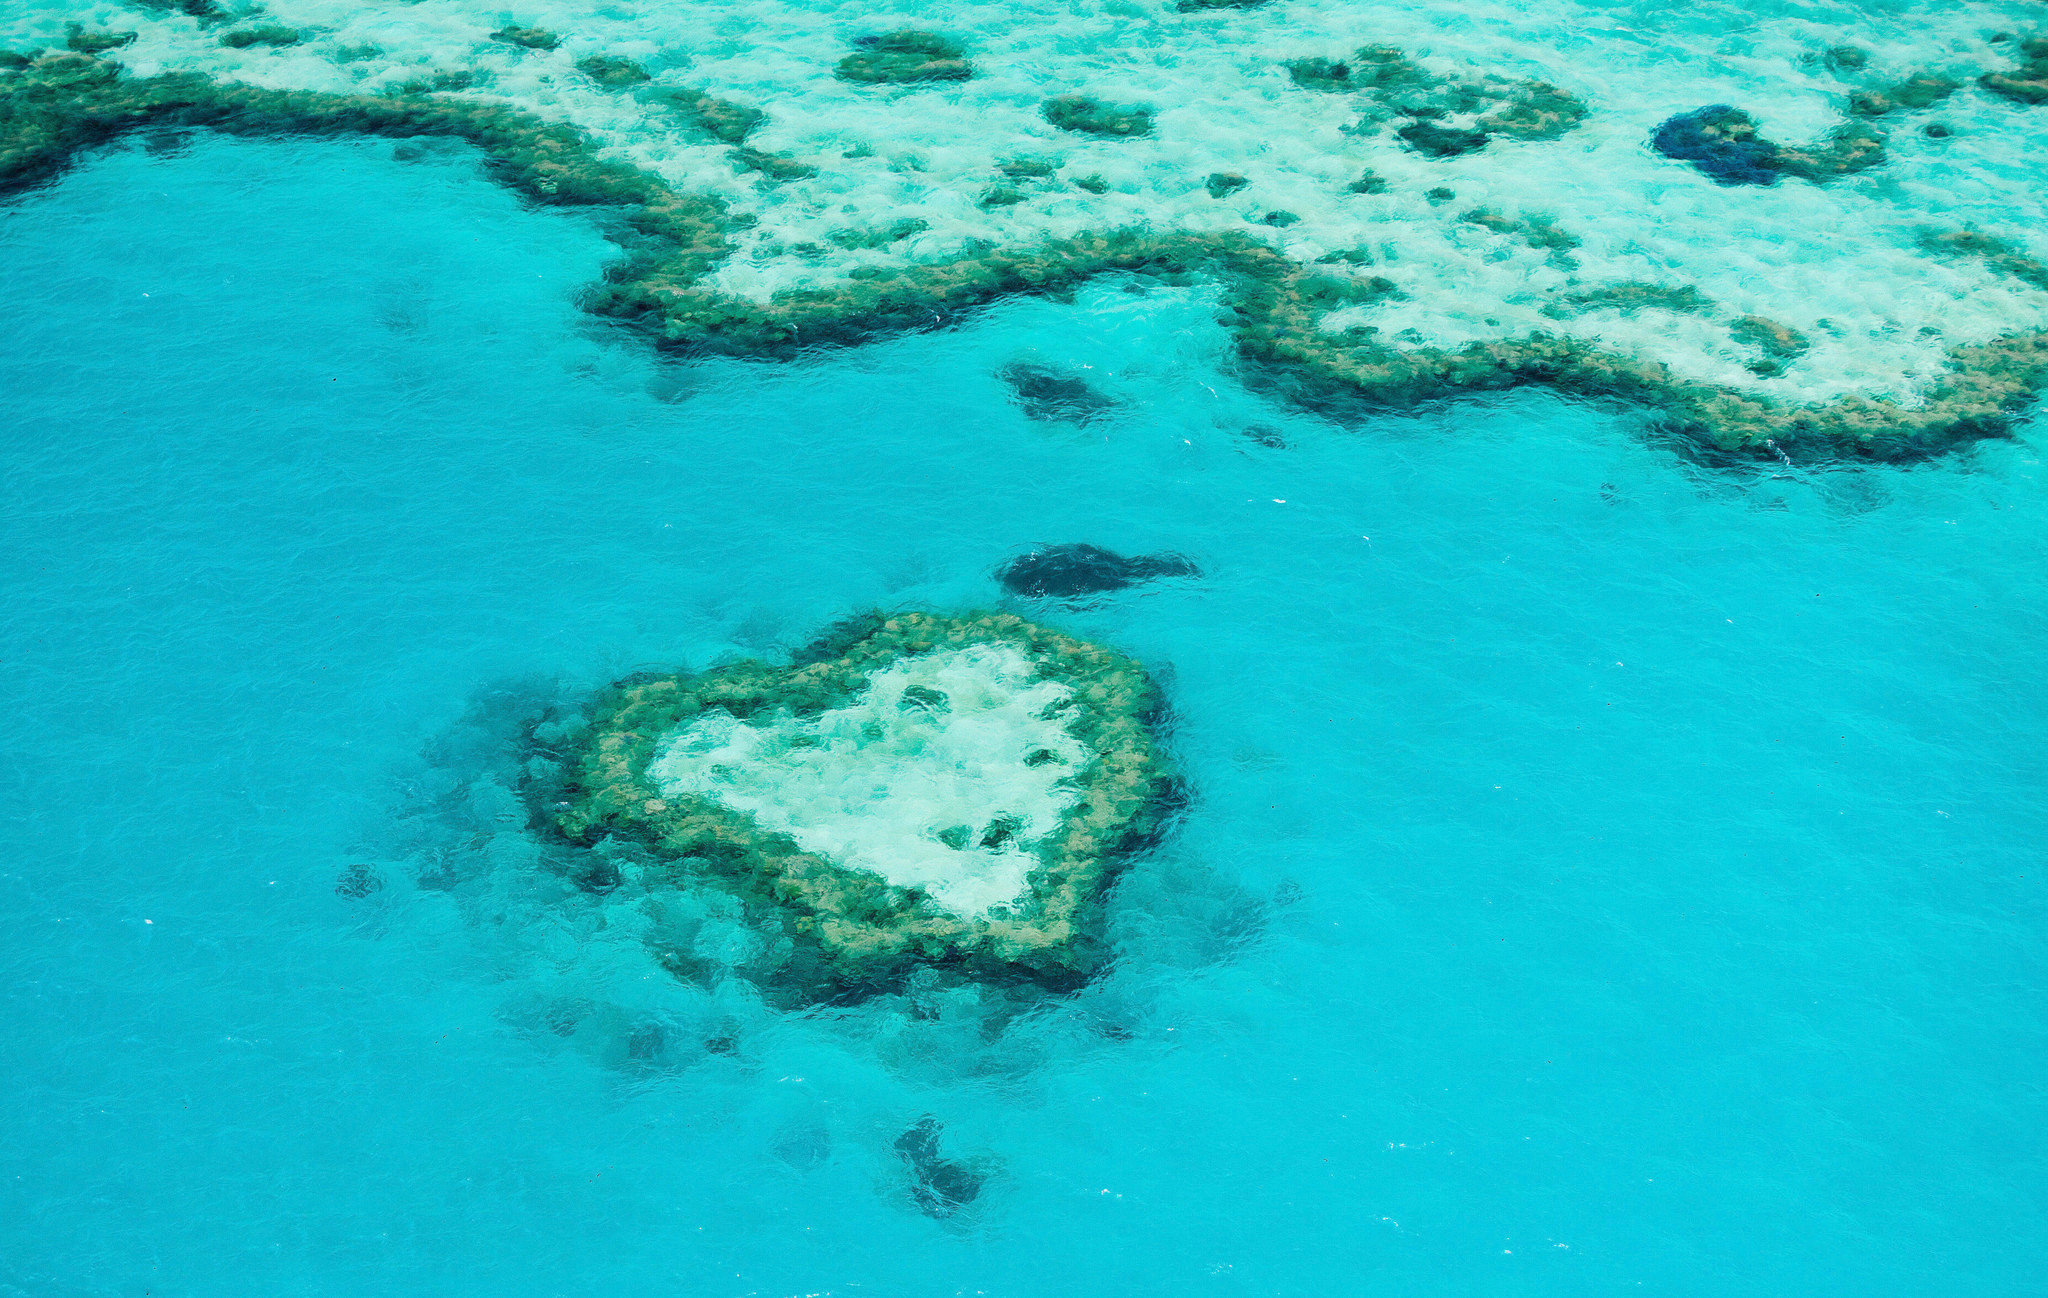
{"x":1602,"y":874}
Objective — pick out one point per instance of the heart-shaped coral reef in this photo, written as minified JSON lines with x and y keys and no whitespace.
{"x":915,"y":789}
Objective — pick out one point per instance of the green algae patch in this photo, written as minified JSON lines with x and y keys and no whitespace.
{"x":1085,"y":115}
{"x":869,"y":793}
{"x":2027,"y":83}
{"x":906,"y":57}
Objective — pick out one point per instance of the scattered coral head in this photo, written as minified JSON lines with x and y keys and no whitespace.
{"x":905,"y":57}
{"x":2027,"y":83}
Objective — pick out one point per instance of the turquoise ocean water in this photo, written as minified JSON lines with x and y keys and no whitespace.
{"x":1603,"y":874}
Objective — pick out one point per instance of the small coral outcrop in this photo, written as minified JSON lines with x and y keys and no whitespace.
{"x":611,"y":72}
{"x":914,"y":789}
{"x":1780,"y":344}
{"x":906,"y":57}
{"x":1723,"y":143}
{"x":530,"y":38}
{"x":2027,"y":83}
{"x":2001,"y":255}
{"x":272,"y":35}
{"x":721,"y":119}
{"x":1078,"y":570}
{"x":1085,"y":115}
{"x":1921,"y":90}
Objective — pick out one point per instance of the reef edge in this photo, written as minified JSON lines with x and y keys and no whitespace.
{"x":60,"y":103}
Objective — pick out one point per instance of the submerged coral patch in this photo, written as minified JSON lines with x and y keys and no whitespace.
{"x":1085,"y":115}
{"x":1723,"y":142}
{"x":1921,"y":90}
{"x":919,"y":789}
{"x":906,"y":57}
{"x":611,"y":72}
{"x":1047,"y":394}
{"x":532,"y":38}
{"x":1448,"y":114}
{"x":2027,"y":83}
{"x":1070,"y":571}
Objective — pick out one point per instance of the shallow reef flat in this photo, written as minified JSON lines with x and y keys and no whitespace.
{"x":911,"y":790}
{"x":1398,"y":207}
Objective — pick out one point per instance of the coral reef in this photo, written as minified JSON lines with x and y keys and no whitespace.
{"x":59,"y":103}
{"x":1070,"y":571}
{"x":532,"y":38}
{"x":64,"y":102}
{"x":610,"y":72}
{"x":1921,"y":90}
{"x":1724,"y":144}
{"x":1448,"y":115}
{"x":1780,"y":344}
{"x":1536,"y":230}
{"x":1222,"y":184}
{"x":81,"y":41}
{"x":2001,"y":255}
{"x":940,"y":1186}
{"x":1635,"y":295}
{"x":2028,"y":82}
{"x":1435,"y":140}
{"x":271,"y":34}
{"x":656,"y":772}
{"x":775,"y":168}
{"x":906,"y":57}
{"x":1047,"y":394}
{"x":721,"y":119}
{"x":895,"y":232}
{"x":1087,"y":116}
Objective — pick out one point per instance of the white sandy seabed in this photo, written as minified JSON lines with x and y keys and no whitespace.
{"x":1840,"y":263}
{"x":874,"y":784}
